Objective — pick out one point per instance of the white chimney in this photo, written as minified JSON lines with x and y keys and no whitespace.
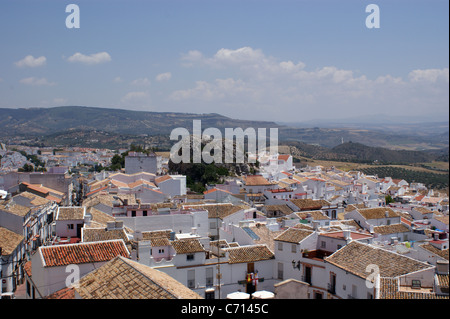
{"x":87,"y":219}
{"x":138,"y":235}
{"x":315,"y":225}
{"x":347,"y":234}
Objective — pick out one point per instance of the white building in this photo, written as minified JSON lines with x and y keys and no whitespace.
{"x":59,"y":266}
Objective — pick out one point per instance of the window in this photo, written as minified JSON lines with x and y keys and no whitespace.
{"x":190,"y":257}
{"x":161,"y":251}
{"x":323,"y":244}
{"x":280,"y":271}
{"x":133,"y":213}
{"x":70,"y":226}
{"x":294,"y":248}
{"x":416,"y":284}
{"x":191,"y":278}
{"x":144,"y":213}
{"x":280,"y":246}
{"x":209,"y":277}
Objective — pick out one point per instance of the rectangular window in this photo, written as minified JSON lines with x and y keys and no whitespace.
{"x":323,"y":244}
{"x":294,"y":248}
{"x":280,"y":246}
{"x":144,"y":213}
{"x":133,"y":213}
{"x":416,"y":284}
{"x":209,"y":276}
{"x":70,"y":226}
{"x":191,"y":278}
{"x":280,"y":271}
{"x":161,"y":251}
{"x":190,"y":257}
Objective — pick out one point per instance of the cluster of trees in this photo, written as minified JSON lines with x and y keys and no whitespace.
{"x":36,"y":166}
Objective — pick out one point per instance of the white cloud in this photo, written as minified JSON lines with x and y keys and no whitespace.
{"x":117,"y":79}
{"x":256,"y":84}
{"x":141,"y":82}
{"x":163,"y":77}
{"x":94,"y":58}
{"x":31,"y":62}
{"x":136,"y":98}
{"x":37,"y":81}
{"x":191,"y":57}
{"x":430,"y":75}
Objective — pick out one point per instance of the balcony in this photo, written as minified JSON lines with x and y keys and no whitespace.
{"x":316,"y":254}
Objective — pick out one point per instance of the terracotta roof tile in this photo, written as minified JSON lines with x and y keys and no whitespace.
{"x":9,"y":241}
{"x":355,"y":257}
{"x":70,"y":213}
{"x":187,"y":246}
{"x":122,"y":278}
{"x":293,"y":235}
{"x":62,"y":255}
{"x":252,"y":253}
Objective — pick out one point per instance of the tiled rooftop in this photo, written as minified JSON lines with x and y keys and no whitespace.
{"x":9,"y":241}
{"x":246,"y":254}
{"x":390,"y":289}
{"x":293,"y":235}
{"x":101,"y":234}
{"x":122,"y":278}
{"x":391,"y":229}
{"x":80,"y":253}
{"x":441,"y":253}
{"x":355,"y":257}
{"x":256,"y":180}
{"x":309,"y":204}
{"x":378,"y":213}
{"x":187,"y":246}
{"x":14,"y":208}
{"x":70,"y":213}
{"x":314,"y":214}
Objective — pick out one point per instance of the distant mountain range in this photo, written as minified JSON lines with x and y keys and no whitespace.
{"x":66,"y":122}
{"x":356,"y":152}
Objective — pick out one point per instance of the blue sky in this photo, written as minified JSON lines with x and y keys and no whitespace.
{"x":267,"y":59}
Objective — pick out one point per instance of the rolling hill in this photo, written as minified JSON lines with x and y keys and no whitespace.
{"x":94,"y":127}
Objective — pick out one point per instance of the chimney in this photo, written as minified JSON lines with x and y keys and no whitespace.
{"x":110,"y":225}
{"x":315,"y":225}
{"x":119,"y":224}
{"x":347,"y":234}
{"x":138,"y":235}
{"x":87,"y":219}
{"x":442,"y":267}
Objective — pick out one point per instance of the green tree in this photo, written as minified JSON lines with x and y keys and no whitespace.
{"x":388,"y":199}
